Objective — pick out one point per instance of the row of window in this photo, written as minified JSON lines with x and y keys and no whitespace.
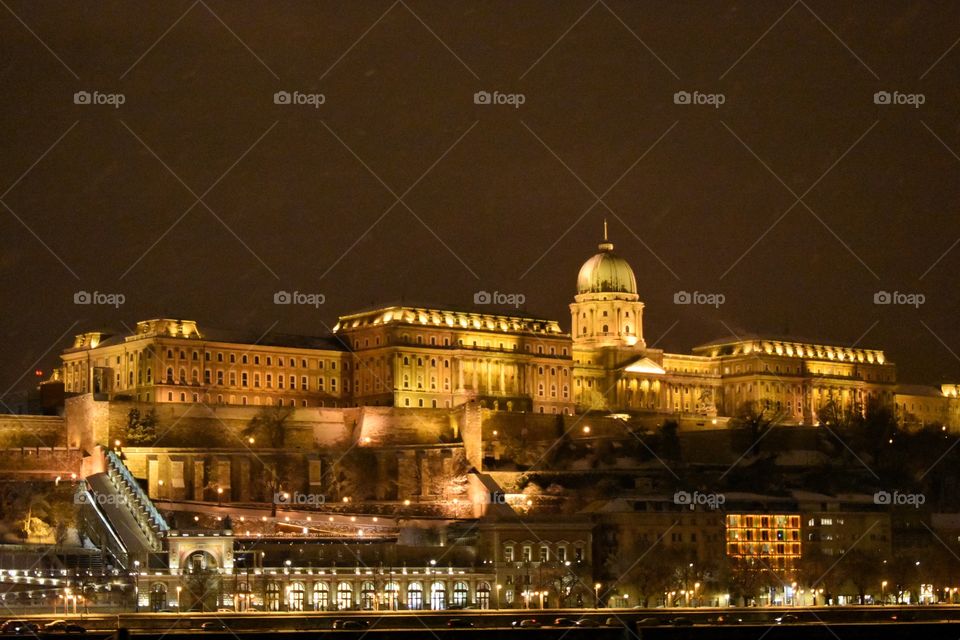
{"x":445,"y":341}
{"x":543,"y":554}
{"x":368,"y":597}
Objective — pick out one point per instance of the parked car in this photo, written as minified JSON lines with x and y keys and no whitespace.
{"x":349,"y":623}
{"x":787,"y":618}
{"x":19,"y":627}
{"x":727,"y":619}
{"x":213,"y":625}
{"x":62,"y":626}
{"x":564,"y":622}
{"x":526,"y":623}
{"x":460,"y":623}
{"x":682,"y":622}
{"x":648,"y":622}
{"x":587,"y":622}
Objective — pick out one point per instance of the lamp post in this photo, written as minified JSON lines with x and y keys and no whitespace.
{"x":160,"y":489}
{"x":499,"y":587}
{"x":136,"y":588}
{"x":883,"y":592}
{"x":219,"y":496}
{"x":596,"y":595}
{"x":179,"y":590}
{"x":696,"y":586}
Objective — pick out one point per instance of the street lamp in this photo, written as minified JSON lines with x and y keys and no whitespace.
{"x":596,"y":596}
{"x":499,"y":586}
{"x":696,"y":585}
{"x":179,"y":589}
{"x":160,"y":489}
{"x":219,"y":496}
{"x":136,"y":589}
{"x":883,"y":591}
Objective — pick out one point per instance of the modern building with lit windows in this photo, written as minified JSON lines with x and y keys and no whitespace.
{"x":769,"y":539}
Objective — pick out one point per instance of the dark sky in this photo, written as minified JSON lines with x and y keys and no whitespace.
{"x":493,"y":197}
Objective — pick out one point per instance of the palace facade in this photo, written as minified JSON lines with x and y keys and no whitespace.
{"x":415,"y":357}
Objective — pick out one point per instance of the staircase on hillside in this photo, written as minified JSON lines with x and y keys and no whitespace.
{"x":124,"y":507}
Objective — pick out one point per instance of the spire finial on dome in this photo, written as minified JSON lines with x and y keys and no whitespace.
{"x":606,"y":245}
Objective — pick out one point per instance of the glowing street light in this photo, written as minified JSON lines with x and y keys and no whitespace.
{"x":596,"y":596}
{"x":136,"y":588}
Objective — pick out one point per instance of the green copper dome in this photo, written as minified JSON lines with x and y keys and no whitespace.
{"x":606,"y":272}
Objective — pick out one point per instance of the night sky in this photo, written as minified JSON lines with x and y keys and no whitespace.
{"x":491,"y":196}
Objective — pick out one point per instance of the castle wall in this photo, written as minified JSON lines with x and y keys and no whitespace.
{"x":31,"y":431}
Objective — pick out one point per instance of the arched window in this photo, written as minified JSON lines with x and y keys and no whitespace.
{"x":158,"y":596}
{"x":295,"y":597}
{"x":367,"y":596}
{"x":391,"y":596}
{"x":415,"y":596}
{"x":606,"y":328}
{"x":483,"y":595}
{"x":272,"y":601}
{"x":438,"y":596}
{"x":321,"y":596}
{"x":344,"y":596}
{"x":460,"y":594}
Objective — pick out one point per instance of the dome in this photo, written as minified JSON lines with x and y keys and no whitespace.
{"x":606,"y":272}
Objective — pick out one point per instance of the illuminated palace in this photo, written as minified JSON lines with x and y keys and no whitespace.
{"x":434,"y":358}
